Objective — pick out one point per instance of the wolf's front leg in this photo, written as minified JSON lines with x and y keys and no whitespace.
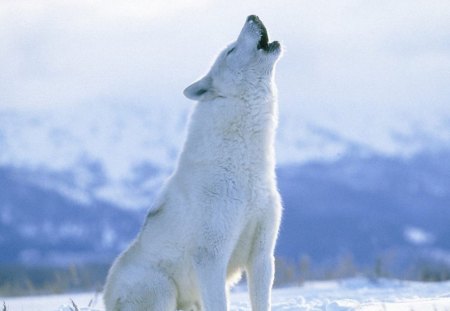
{"x":260,"y":279}
{"x":261,"y":270}
{"x":213,"y":290}
{"x":211,"y":273}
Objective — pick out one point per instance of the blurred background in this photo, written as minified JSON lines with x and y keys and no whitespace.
{"x":92,"y":118}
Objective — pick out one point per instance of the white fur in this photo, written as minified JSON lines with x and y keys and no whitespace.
{"x":219,"y":213}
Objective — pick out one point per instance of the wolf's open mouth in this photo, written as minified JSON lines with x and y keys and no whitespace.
{"x":263,"y":42}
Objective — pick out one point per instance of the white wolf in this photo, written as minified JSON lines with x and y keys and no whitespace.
{"x":219,"y":213}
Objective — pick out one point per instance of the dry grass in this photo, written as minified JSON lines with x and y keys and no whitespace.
{"x":75,"y":307}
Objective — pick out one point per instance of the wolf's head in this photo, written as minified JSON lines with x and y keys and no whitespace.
{"x":241,"y":67}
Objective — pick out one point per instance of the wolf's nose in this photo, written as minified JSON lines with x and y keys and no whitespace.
{"x":253,"y":18}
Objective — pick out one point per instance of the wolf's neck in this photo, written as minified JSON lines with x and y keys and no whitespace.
{"x":233,"y":132}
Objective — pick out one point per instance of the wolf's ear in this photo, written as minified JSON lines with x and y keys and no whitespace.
{"x":200,"y":90}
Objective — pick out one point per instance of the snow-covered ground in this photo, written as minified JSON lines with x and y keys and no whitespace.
{"x":352,"y":294}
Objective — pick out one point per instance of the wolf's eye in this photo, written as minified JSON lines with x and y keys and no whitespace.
{"x":230,"y":51}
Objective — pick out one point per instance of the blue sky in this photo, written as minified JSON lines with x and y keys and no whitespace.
{"x":371,"y":73}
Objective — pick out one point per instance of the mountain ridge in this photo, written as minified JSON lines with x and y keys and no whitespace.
{"x":368,"y":208}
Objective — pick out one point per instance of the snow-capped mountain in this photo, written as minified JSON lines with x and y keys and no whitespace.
{"x":110,"y":153}
{"x":74,"y":182}
{"x":389,"y":210}
{"x":122,"y":153}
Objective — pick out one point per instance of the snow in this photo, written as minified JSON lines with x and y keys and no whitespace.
{"x":418,"y":236}
{"x":352,"y":294}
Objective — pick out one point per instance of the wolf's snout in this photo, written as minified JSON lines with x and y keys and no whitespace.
{"x":263,"y":43}
{"x":253,"y":18}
